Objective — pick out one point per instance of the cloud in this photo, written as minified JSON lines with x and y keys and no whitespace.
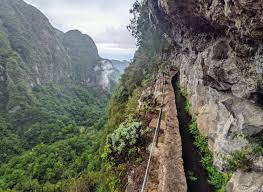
{"x":116,"y":51}
{"x":104,"y":20}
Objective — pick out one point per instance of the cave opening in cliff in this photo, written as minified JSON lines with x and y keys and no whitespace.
{"x":195,"y":173}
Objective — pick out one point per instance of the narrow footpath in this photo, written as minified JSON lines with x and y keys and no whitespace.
{"x":167,"y":171}
{"x":175,"y":164}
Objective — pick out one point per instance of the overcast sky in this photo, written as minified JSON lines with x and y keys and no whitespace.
{"x":104,"y":20}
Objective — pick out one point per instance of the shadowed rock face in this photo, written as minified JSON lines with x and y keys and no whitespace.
{"x":241,"y":17}
{"x":219,"y":51}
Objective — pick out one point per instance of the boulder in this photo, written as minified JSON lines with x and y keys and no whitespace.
{"x":246,"y":182}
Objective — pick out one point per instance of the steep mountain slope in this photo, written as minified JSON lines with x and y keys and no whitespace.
{"x":48,"y":54}
{"x":34,"y":53}
{"x":37,"y":43}
{"x":54,"y":87}
{"x":82,"y":57}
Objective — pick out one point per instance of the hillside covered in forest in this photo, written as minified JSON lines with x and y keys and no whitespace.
{"x":54,"y":88}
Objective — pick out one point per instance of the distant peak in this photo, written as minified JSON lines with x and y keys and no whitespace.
{"x":74,"y":31}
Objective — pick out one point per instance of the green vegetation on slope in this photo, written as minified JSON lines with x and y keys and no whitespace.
{"x":51,"y":165}
{"x":55,"y":113}
{"x":50,"y":135}
{"x":127,"y":140}
{"x":142,"y":70}
{"x":51,"y":128}
{"x":59,"y":142}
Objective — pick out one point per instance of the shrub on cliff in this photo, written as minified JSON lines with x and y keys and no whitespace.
{"x":126,"y":135}
{"x":243,"y":159}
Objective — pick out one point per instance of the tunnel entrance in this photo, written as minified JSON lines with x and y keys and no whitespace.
{"x":195,"y":173}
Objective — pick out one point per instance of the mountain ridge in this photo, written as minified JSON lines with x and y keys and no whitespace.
{"x":49,"y":54}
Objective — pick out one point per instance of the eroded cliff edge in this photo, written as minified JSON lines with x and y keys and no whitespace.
{"x":217,"y":47}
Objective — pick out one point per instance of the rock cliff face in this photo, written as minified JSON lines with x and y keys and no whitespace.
{"x":217,"y":46}
{"x":110,"y":72}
